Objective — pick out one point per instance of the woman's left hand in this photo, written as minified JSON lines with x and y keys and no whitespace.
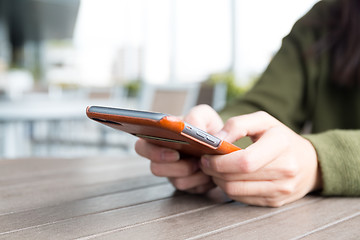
{"x":279,"y":167}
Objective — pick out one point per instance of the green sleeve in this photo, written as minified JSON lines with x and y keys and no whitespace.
{"x":282,"y":89}
{"x":339,"y":157}
{"x":279,"y":91}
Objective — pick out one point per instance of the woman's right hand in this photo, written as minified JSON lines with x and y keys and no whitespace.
{"x":184,"y":173}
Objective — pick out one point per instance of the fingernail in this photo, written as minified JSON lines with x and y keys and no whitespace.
{"x":170,"y":155}
{"x":222,"y":134}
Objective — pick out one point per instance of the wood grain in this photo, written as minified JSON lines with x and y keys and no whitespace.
{"x":345,"y":228}
{"x":118,"y":198}
{"x":25,"y":170}
{"x":76,"y":208}
{"x":67,"y":181}
{"x":98,"y":223}
{"x":200,"y":223}
{"x":297,"y":222}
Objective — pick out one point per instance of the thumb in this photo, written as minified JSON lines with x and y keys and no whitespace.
{"x":205,"y":118}
{"x":253,"y":125}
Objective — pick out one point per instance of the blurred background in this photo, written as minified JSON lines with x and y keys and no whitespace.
{"x":59,"y":56}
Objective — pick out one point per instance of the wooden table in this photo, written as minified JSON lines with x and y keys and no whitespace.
{"x":118,"y":198}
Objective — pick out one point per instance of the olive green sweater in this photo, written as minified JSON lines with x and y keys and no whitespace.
{"x":296,"y":90}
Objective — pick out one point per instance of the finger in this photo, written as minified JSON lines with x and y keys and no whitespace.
{"x":274,"y":171}
{"x":247,"y":188}
{"x":202,"y":188}
{"x":251,"y":159}
{"x":260,"y":201}
{"x":276,"y":201}
{"x":156,"y":153}
{"x":195,"y":180}
{"x":181,"y":168}
{"x":253,"y":125}
{"x":205,"y":118}
{"x":284,"y":191}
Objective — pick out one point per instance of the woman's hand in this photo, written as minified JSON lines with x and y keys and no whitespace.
{"x":184,"y":173}
{"x":278,"y":168}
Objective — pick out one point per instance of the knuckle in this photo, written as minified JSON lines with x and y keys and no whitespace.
{"x":227,"y":177}
{"x":232,"y":122}
{"x":180,"y":184}
{"x":288,"y":167}
{"x":194,"y":117}
{"x":246,"y":165}
{"x":201,"y":189}
{"x":274,"y":202}
{"x":140,"y":148}
{"x":217,"y":166}
{"x":283,"y":138}
{"x":146,"y":150}
{"x":154,"y":156}
{"x":267,"y":116}
{"x":262,"y":114}
{"x":204,"y":188}
{"x":231,"y":189}
{"x":235,"y":124}
{"x":156,"y":169}
{"x":204,"y":106}
{"x":187,"y":168}
{"x":291,"y":171}
{"x":188,"y":172}
{"x":286,"y":189}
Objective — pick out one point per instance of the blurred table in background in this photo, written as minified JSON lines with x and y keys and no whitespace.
{"x":18,"y":119}
{"x":118,"y":198}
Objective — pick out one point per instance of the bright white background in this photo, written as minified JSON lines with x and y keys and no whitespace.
{"x":179,"y":40}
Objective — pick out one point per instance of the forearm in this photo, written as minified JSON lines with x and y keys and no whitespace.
{"x":338,"y":153}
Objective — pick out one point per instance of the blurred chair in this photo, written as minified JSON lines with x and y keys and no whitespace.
{"x":105,"y":93}
{"x":171,"y":98}
{"x":83,"y":134}
{"x":213,"y":95}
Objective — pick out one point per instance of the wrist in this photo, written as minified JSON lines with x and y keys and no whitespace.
{"x":316,"y":172}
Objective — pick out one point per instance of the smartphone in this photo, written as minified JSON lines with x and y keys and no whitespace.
{"x":161,"y":129}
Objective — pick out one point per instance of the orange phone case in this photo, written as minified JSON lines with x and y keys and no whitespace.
{"x":160,"y":129}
